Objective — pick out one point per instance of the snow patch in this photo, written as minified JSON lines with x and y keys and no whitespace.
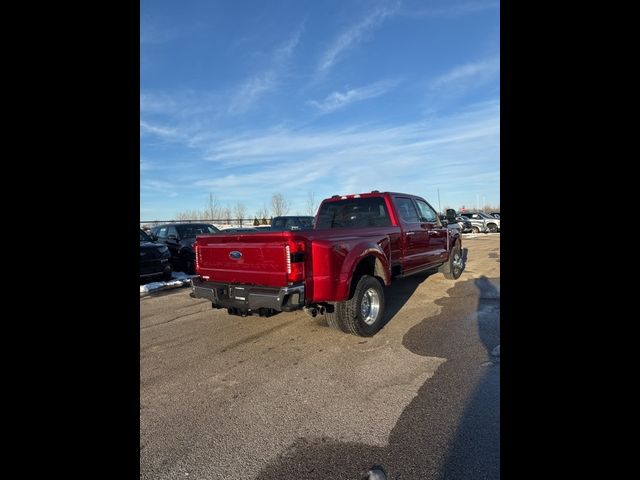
{"x":178,"y":279}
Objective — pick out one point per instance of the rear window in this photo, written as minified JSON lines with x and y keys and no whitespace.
{"x":354,"y":213}
{"x":191,"y":231}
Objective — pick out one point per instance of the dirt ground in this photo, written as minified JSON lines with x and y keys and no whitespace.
{"x":225,"y":397}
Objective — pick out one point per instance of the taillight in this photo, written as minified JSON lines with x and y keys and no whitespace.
{"x":197,"y":255}
{"x":294,"y":258}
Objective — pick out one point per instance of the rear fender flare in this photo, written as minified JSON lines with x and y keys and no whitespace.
{"x":357,"y":254}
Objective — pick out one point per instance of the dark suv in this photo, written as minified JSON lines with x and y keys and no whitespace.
{"x":179,"y":238}
{"x":154,"y":259}
{"x":279,"y":224}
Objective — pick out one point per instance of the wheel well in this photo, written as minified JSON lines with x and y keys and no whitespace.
{"x":369,"y":265}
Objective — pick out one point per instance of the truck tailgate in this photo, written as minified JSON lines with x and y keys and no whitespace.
{"x":253,"y":258}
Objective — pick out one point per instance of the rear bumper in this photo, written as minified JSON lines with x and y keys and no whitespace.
{"x":249,"y":297}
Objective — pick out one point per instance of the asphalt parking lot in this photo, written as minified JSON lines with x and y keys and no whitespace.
{"x":224,"y":397}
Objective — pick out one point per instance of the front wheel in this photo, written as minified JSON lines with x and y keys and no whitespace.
{"x":452,"y":269}
{"x":475,"y":229}
{"x":493,"y":228}
{"x":362,"y":314}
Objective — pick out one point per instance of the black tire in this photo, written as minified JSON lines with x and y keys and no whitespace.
{"x":348,"y":316}
{"x":332,"y":318}
{"x":167,"y":276}
{"x":493,"y":228}
{"x":451,"y":269}
{"x":188,"y":263}
{"x":475,"y":229}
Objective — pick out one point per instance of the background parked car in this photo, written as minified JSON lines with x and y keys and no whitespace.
{"x":154,"y":259}
{"x":279,"y":224}
{"x":464,"y":224}
{"x":179,"y":238}
{"x":239,"y":230}
{"x":478,"y":225}
{"x":490,"y":224}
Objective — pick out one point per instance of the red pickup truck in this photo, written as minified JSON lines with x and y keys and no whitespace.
{"x":358,"y":244}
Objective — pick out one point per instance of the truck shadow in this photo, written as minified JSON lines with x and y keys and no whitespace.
{"x":450,"y":430}
{"x":400,"y":291}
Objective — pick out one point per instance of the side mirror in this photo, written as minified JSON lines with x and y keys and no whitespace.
{"x":451,"y":215}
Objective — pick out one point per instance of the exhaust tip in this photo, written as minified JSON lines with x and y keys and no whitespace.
{"x":312,"y":312}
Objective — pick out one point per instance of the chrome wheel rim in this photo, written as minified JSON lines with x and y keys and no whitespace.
{"x":370,"y":306}
{"x":457,"y":262}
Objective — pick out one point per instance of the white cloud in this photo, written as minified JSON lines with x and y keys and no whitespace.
{"x":415,"y":157}
{"x":159,"y":186}
{"x":146,"y":165}
{"x":166,"y":133}
{"x":469,"y":74}
{"x":254,"y":148}
{"x":337,"y":100}
{"x":256,"y":86}
{"x":251,"y":90}
{"x":354,"y":34}
{"x":411,"y":157}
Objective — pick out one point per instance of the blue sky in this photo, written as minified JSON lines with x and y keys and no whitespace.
{"x":248,"y":98}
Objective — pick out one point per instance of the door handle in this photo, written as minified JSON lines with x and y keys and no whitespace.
{"x":410,"y":233}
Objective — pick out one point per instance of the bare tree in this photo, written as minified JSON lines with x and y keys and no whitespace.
{"x":279,"y":205}
{"x":227,"y":215}
{"x":311,"y":206}
{"x":214,"y":210}
{"x":263,"y":212}
{"x":188,"y":215}
{"x":488,"y":208}
{"x":240,"y":211}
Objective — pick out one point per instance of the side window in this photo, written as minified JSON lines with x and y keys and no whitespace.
{"x":172,"y":231}
{"x":162,"y":233}
{"x":406,"y":210}
{"x":427,"y":214}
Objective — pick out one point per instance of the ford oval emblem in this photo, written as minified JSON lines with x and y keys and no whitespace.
{"x":235,"y":255}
